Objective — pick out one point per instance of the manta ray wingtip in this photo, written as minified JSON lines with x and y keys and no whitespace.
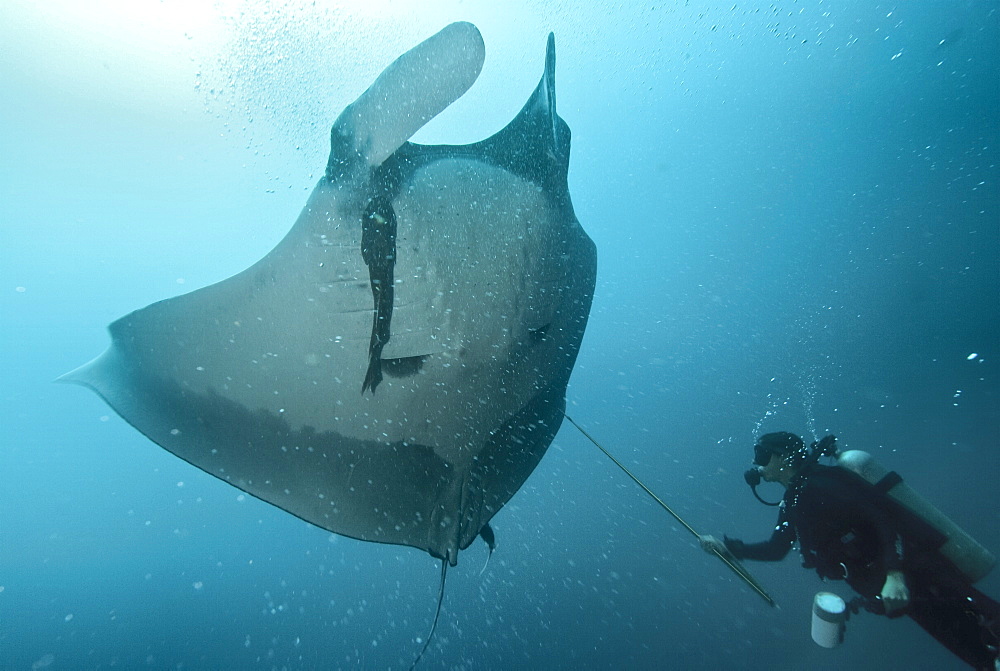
{"x":468,"y":31}
{"x":78,"y":375}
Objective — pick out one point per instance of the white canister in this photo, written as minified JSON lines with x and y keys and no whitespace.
{"x":828,"y":619}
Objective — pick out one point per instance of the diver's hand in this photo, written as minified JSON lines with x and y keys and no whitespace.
{"x":711,"y":544}
{"x":895,"y":594}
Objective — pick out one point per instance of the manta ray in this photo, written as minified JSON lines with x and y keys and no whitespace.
{"x":395,"y":368}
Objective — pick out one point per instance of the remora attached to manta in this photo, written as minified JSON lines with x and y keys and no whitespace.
{"x":395,"y":368}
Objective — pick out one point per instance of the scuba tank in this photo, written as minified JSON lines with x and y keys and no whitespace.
{"x":968,"y":556}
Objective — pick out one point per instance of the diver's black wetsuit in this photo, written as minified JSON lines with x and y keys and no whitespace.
{"x":849,"y":531}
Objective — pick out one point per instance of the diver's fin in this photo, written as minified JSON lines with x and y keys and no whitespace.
{"x":437,"y":614}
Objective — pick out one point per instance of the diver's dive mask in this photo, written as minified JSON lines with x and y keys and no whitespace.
{"x":761,"y":457}
{"x":762,"y":454}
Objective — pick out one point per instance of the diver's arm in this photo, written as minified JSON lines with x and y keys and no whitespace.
{"x":773,"y":549}
{"x":895,"y":594}
{"x":871,"y":513}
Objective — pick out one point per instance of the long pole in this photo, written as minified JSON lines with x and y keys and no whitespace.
{"x":730,"y":561}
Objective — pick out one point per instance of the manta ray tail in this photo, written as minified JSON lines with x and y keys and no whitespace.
{"x":437,"y":614}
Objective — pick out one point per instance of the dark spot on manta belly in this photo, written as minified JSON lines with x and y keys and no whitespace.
{"x":538,"y":335}
{"x":404,"y":366}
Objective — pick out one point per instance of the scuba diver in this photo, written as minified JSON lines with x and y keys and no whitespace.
{"x":850,"y":528}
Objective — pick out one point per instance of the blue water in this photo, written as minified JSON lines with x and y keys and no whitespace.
{"x":797,"y":214}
